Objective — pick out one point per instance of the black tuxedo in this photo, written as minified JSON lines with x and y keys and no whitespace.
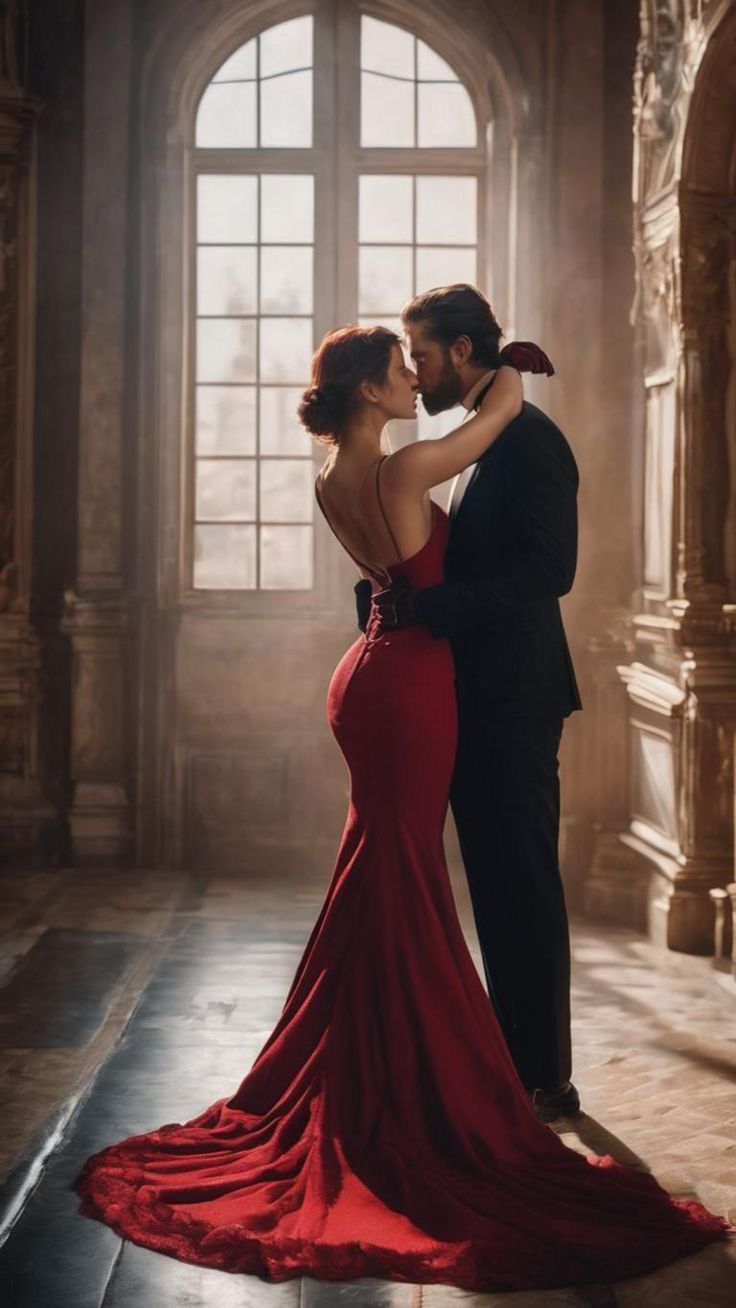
{"x":512,"y":553}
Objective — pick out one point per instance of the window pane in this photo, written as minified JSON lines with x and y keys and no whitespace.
{"x":286,"y":558}
{"x":226,"y":350}
{"x":286,"y":279}
{"x":226,"y":490}
{"x":446,"y":116}
{"x":385,"y":48}
{"x":286,"y":46}
{"x":281,"y":432}
{"x":430,"y":426}
{"x":383,"y":320}
{"x":430,"y":68}
{"x":386,"y":208}
{"x":227,"y":116}
{"x":443,"y":267}
{"x":225,"y":558}
{"x":226,"y":280}
{"x":286,"y":110}
{"x":446,"y":210}
{"x":238,"y":66}
{"x":226,"y":420}
{"x":227,"y":209}
{"x":384,"y":278}
{"x":287,"y":208}
{"x":287,"y":490}
{"x":386,"y":111}
{"x":286,"y":349}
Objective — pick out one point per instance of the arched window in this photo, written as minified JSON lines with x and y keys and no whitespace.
{"x":337,"y":171}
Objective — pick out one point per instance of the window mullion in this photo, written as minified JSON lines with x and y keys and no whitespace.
{"x":346,"y":171}
{"x":258,"y":374}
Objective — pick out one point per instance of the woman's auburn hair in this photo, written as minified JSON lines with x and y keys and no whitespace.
{"x":345,"y":358}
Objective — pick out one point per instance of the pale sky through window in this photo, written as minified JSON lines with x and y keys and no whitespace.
{"x":255,"y":289}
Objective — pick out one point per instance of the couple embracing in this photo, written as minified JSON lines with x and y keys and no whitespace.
{"x":395,"y":1122}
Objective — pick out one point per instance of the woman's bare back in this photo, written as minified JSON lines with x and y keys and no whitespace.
{"x":378,"y":523}
{"x":380,"y":508}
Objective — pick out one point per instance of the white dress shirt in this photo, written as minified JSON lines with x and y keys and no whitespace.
{"x":467,"y":402}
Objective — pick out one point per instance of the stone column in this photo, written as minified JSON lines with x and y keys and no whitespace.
{"x":97,"y":612}
{"x":730,"y":930}
{"x":615,"y":887}
{"x":25,"y":816}
{"x":681,"y":682}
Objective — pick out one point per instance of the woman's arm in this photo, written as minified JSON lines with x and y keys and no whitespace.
{"x":423,"y":464}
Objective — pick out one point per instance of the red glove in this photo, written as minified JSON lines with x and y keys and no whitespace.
{"x":525,"y":356}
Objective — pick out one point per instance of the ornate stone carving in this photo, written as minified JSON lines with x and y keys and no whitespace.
{"x":9,"y":62}
{"x":655,"y":305}
{"x":657,"y":84}
{"x":681,"y":683}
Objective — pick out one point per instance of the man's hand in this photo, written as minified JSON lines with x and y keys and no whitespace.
{"x":396,"y":606}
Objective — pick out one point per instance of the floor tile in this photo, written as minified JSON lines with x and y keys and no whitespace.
{"x":364,"y":1293}
{"x":59,"y":993}
{"x":655,"y":1061}
{"x":143,"y":1279}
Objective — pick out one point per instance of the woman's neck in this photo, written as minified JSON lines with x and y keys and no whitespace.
{"x":361,"y":439}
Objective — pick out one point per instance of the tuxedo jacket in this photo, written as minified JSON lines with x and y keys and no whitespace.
{"x":512,"y":553}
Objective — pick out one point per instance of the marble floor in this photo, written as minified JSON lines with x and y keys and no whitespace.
{"x":133,"y":998}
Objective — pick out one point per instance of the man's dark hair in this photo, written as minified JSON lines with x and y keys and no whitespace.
{"x":460,"y":310}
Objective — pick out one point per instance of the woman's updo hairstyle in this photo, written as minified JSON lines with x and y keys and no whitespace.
{"x":344,"y":359}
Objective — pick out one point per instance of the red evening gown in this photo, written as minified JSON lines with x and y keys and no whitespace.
{"x":382,"y":1130}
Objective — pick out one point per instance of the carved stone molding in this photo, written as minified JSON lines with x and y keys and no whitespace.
{"x":729,"y":930}
{"x":99,"y":629}
{"x":97,"y":614}
{"x":615,"y":886}
{"x":682,"y":727}
{"x":658,"y":81}
{"x":681,"y":682}
{"x":27,"y":820}
{"x":722,"y":927}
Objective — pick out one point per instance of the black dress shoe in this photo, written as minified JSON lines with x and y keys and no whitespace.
{"x":551,"y":1104}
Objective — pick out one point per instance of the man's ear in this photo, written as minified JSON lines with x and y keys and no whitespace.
{"x":461,"y":350}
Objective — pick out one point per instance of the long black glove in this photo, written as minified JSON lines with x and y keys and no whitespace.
{"x":397,"y":606}
{"x":362,"y":591}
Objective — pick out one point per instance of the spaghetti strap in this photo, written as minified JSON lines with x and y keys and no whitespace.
{"x":379,"y":576}
{"x":379,"y":465}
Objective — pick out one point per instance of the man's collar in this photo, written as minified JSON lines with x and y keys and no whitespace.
{"x":468,"y":400}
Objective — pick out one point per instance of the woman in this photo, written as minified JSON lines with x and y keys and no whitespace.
{"x":383,"y":1130}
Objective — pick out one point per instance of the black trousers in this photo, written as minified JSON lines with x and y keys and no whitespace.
{"x":506,"y":803}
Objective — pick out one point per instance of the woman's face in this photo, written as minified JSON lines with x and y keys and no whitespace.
{"x":400,"y":389}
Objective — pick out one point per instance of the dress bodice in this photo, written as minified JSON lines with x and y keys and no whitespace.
{"x":426,"y":566}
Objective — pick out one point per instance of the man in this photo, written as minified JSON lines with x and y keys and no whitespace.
{"x":511,"y":555}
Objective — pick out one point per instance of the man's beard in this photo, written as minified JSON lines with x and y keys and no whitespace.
{"x":448,"y":391}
